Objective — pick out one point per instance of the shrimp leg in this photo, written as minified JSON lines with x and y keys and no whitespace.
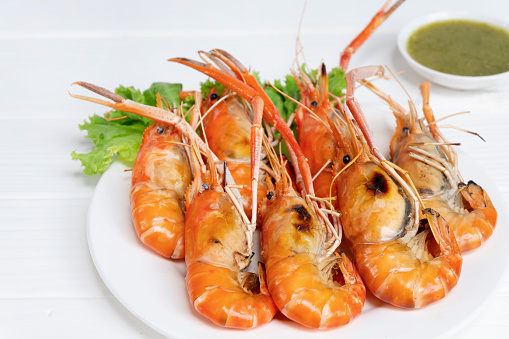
{"x":377,"y":20}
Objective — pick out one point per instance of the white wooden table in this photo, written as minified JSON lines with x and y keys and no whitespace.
{"x":49,"y":287}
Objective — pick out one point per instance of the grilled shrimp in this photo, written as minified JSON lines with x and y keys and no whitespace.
{"x":432,"y":165}
{"x":309,"y":284}
{"x":217,"y":255}
{"x":161,"y":176}
{"x":219,"y":240}
{"x":404,"y":261}
{"x":227,"y":128}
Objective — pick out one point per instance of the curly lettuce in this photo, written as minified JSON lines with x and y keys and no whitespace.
{"x":118,"y":135}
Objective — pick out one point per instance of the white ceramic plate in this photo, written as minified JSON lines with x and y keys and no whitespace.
{"x":444,"y":79}
{"x":153,"y":288}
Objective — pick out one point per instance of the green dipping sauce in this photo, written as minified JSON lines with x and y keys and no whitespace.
{"x":461,"y":47}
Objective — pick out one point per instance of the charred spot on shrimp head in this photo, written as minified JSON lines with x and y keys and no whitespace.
{"x":303,"y":216}
{"x":301,"y":227}
{"x":423,"y":223}
{"x":302,"y":212}
{"x":378,"y":185}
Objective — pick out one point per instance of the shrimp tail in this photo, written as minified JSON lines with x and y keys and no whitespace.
{"x":474,"y":228}
{"x":440,"y":230}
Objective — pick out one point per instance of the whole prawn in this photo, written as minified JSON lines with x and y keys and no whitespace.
{"x":160,"y":178}
{"x":218,"y":252}
{"x":310,"y":283}
{"x":219,"y":241}
{"x":432,"y":164}
{"x":404,"y":261}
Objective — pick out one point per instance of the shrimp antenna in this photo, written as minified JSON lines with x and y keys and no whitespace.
{"x":462,"y":130}
{"x":448,"y":116}
{"x":455,"y":127}
{"x":299,"y":49}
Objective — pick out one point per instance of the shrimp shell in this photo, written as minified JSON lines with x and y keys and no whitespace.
{"x":315,"y":136}
{"x":161,"y":175}
{"x":434,"y":170}
{"x":216,"y":257}
{"x":228,"y":132}
{"x":298,"y":279}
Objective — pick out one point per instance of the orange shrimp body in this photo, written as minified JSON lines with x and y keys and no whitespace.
{"x":433,"y":169}
{"x":160,"y":178}
{"x":228,"y":131}
{"x":315,"y":137}
{"x":309,"y":288}
{"x":217,"y":254}
{"x":398,"y":267}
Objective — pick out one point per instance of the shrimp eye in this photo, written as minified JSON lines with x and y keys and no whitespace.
{"x":346,"y":159}
{"x":214,"y":96}
{"x":270,"y":195}
{"x":205,"y":187}
{"x":160,"y":129}
{"x":405,"y":130}
{"x":314,"y":104}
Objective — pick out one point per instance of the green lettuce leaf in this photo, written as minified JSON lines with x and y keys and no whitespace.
{"x":168,"y":92}
{"x":111,"y":141}
{"x":118,"y":134}
{"x":337,"y":82}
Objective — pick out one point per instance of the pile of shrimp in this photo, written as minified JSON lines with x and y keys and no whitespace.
{"x":200,"y":198}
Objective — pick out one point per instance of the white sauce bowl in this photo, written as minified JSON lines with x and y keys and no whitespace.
{"x":445,"y":79}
